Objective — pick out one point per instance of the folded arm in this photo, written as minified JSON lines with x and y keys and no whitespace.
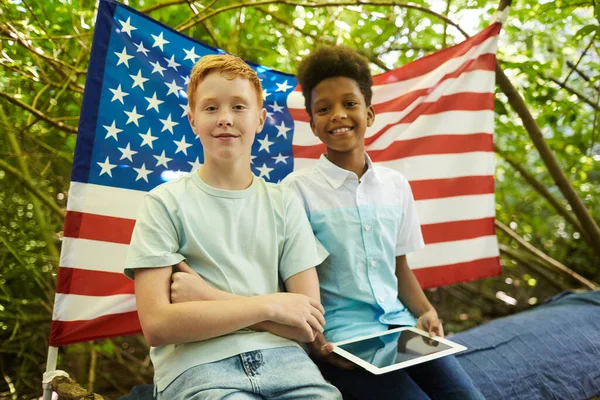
{"x":189,"y":286}
{"x":164,"y":322}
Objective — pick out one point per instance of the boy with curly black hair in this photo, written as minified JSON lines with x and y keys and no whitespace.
{"x":364,"y":215}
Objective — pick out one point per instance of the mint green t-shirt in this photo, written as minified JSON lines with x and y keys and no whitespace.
{"x":245,"y":242}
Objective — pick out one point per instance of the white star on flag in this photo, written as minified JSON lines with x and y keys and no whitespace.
{"x":159,"y":41}
{"x":182,"y":145}
{"x":171,"y":62}
{"x":186,"y":79}
{"x":162,"y":160}
{"x":186,"y":109}
{"x":265,"y":94}
{"x":118,"y":94}
{"x":265,"y":144}
{"x":148,"y":138}
{"x":112,"y":131}
{"x":127,"y":152}
{"x":280,"y":158}
{"x":126,"y":26}
{"x":156,"y":67}
{"x":106,"y":167}
{"x":276,"y":107}
{"x":173,"y":88}
{"x":283,"y":87}
{"x":282,"y":130}
{"x":133,"y":116}
{"x":196,"y":164}
{"x":123,"y":57}
{"x":153,"y":102}
{"x":252,"y":159}
{"x":138,"y":80}
{"x":141,"y":48}
{"x":191,"y":55}
{"x":142,"y":173}
{"x":168,"y":124}
{"x":264,"y":171}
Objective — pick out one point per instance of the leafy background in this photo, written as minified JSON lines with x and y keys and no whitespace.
{"x":549,"y":50}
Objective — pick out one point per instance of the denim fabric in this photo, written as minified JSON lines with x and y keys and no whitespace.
{"x":283,"y":373}
{"x":441,"y":379}
{"x":550,"y":352}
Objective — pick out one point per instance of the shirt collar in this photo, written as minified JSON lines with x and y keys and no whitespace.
{"x":336,"y":176}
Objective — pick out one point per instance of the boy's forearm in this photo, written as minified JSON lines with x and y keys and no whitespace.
{"x":409,"y":289}
{"x":306,"y":283}
{"x":167,"y":323}
{"x":209,"y":293}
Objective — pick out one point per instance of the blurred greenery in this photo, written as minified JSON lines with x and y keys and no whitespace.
{"x":548,"y":49}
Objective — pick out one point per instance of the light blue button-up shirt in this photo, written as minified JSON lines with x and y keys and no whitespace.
{"x":364,"y":225}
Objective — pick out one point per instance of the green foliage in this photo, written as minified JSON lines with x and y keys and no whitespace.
{"x":549,"y":50}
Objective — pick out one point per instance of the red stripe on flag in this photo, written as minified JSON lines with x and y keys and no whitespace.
{"x":485,"y":62}
{"x":92,"y":283}
{"x":429,"y":63}
{"x":107,"y":326}
{"x":458,"y":230}
{"x":98,"y":227}
{"x":438,"y":144}
{"x":451,"y":187}
{"x":456,"y":273}
{"x":452,"y":102}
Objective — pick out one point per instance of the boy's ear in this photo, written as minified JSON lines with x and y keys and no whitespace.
{"x":191,"y":119}
{"x":370,"y":115}
{"x":262,"y":117}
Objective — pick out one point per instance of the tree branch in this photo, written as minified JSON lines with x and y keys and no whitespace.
{"x":558,"y":175}
{"x":185,"y":26}
{"x":539,"y":268}
{"x":541,"y":189}
{"x":158,"y":6}
{"x":39,"y":114}
{"x":549,"y":261}
{"x":32,"y":188}
{"x":580,"y":58}
{"x":582,"y":75}
{"x":572,"y":91}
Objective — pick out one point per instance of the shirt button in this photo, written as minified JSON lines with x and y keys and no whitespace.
{"x":381,"y":299}
{"x":373,"y":263}
{"x":367,"y":228}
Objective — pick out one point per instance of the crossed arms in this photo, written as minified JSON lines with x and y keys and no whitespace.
{"x":206,"y":312}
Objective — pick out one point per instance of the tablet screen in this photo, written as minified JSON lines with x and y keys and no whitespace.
{"x":394,"y":348}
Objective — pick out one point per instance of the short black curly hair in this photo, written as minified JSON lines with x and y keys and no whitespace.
{"x":333,"y":61}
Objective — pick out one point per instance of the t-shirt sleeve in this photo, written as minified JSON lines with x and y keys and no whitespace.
{"x":410,"y":237}
{"x":155,"y":241}
{"x":301,"y":249}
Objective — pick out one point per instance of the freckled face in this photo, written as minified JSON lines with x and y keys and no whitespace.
{"x":226,"y":116}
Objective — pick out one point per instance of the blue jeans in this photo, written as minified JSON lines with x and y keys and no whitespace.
{"x":283,"y":373}
{"x":443,"y":378}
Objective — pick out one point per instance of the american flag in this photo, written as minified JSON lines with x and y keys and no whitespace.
{"x":434,"y":123}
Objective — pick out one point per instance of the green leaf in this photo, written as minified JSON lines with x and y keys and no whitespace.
{"x":586,"y":30}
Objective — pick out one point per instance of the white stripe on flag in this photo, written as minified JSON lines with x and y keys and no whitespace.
{"x":438,"y":166}
{"x":459,"y":251}
{"x":459,"y":208}
{"x":383,"y":93}
{"x":72,"y":307}
{"x":93,"y":255}
{"x":104,"y":200}
{"x":444,"y":123}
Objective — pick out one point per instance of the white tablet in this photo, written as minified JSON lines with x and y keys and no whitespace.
{"x":395,"y":349}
